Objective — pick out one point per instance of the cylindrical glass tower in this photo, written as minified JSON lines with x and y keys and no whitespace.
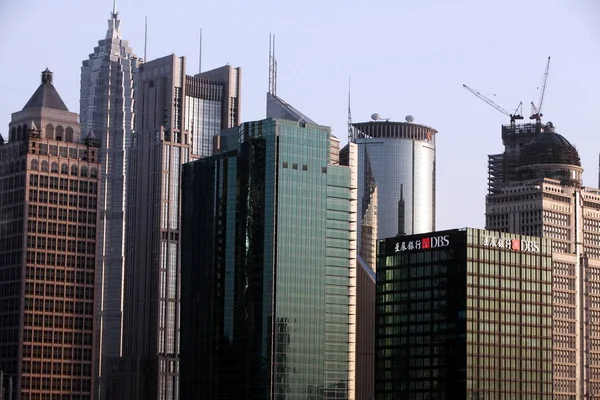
{"x":399,"y":159}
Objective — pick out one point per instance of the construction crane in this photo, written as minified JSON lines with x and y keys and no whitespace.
{"x":517,"y":114}
{"x":536,"y":111}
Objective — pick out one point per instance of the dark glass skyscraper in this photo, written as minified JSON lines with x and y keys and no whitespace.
{"x":464,"y":314}
{"x":268,"y":266}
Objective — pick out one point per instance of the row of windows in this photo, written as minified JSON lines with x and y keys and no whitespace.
{"x":51,"y":259}
{"x":12,"y":182}
{"x":69,"y":385}
{"x":56,"y":292}
{"x":58,"y":338}
{"x":64,"y":169}
{"x":55,"y":352}
{"x":64,"y":184}
{"x":77,"y":307}
{"x":53,"y":228}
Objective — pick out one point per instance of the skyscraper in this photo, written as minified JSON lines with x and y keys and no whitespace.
{"x":464,"y":314}
{"x":399,"y":159}
{"x":542,"y":194}
{"x":177,"y":118}
{"x":107,"y":109}
{"x":269,"y":263}
{"x":49,"y":180}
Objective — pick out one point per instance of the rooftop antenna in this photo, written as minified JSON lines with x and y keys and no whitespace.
{"x":145,"y":39}
{"x":114,"y":7}
{"x":200,"y":54}
{"x":350,"y":130}
{"x":272,"y":66}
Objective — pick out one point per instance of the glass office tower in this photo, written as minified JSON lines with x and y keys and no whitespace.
{"x":399,"y":158}
{"x":268,"y":266}
{"x":464,"y":314}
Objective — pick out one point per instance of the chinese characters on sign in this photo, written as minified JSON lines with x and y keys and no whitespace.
{"x":511,"y":244}
{"x":423,"y":244}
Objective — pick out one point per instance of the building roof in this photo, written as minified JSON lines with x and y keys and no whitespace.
{"x":279,"y":109}
{"x":549,"y":148}
{"x":46,"y":95}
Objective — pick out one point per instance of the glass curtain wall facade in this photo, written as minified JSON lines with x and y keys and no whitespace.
{"x":464,"y":314}
{"x":399,"y":159}
{"x":269,"y":267}
{"x":107,"y":109}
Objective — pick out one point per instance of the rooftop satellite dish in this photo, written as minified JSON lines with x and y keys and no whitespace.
{"x":375,"y":117}
{"x":409,"y":118}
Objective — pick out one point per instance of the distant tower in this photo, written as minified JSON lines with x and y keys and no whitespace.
{"x":108,"y":84}
{"x":49,"y":176}
{"x":400,"y":158}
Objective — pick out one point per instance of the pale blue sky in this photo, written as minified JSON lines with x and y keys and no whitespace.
{"x":404,"y":58}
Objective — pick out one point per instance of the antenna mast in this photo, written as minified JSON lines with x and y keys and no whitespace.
{"x":145,"y":39}
{"x":200,"y":54}
{"x":272,"y":66}
{"x":350,"y":128}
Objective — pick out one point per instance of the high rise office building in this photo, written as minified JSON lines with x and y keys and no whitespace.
{"x":398,"y":158}
{"x":49,"y":180}
{"x":178,"y":115}
{"x":268,"y":270}
{"x":544,"y":196}
{"x":464,"y":314}
{"x":107,"y":109}
{"x":396,"y":196}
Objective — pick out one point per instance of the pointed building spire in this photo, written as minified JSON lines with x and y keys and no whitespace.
{"x":350,"y":130}
{"x":114,"y":25}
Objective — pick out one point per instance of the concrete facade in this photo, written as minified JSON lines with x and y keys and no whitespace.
{"x":546,"y":198}
{"x":49,"y":180}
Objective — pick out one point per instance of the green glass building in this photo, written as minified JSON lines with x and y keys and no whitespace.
{"x":268,"y":266}
{"x":464,"y":314}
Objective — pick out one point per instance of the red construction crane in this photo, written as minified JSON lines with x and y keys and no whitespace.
{"x":517,"y":114}
{"x":536,"y":111}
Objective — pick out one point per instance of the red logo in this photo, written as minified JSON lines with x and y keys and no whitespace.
{"x":426,"y":243}
{"x":515,"y":244}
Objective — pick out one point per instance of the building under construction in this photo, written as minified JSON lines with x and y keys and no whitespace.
{"x":502,"y":167}
{"x":536,"y":188}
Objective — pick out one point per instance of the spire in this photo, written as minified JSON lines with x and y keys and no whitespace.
{"x":350,"y":130}
{"x":46,"y":95}
{"x":114,"y":25}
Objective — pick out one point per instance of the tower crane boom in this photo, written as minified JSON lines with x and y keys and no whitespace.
{"x":517,"y":114}
{"x":536,"y":111}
